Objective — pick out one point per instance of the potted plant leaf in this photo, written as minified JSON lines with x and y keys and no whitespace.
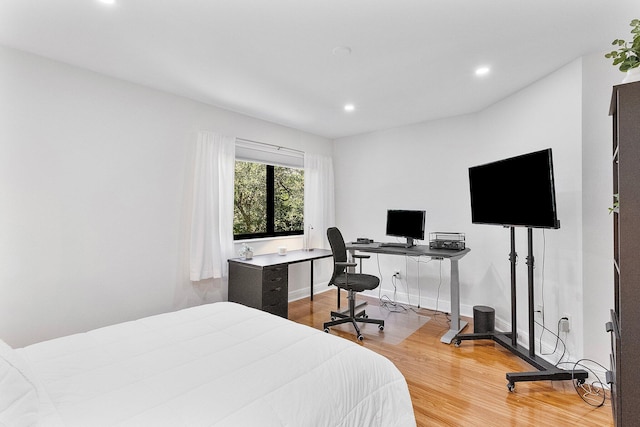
{"x":627,"y":56}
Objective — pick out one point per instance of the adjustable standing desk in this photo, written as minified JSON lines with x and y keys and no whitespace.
{"x":457,"y":325}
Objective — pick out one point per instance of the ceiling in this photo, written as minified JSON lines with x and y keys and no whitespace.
{"x":410,"y":60}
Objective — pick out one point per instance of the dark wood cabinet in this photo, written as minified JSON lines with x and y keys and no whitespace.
{"x":264,"y":288}
{"x":624,"y":327}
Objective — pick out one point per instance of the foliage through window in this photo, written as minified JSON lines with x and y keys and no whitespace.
{"x":268,"y":200}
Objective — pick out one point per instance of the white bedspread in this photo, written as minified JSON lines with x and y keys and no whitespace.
{"x":220,"y":364}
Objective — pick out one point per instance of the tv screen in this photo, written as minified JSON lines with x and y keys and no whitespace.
{"x":406,"y":223}
{"x":518,"y":191}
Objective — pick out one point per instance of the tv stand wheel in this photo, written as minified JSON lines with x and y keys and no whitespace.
{"x":511,"y":387}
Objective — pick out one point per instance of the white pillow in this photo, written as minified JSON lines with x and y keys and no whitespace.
{"x":18,"y":395}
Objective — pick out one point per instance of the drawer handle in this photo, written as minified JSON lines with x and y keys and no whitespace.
{"x":276,"y":279}
{"x":278,"y":289}
{"x":609,"y":326}
{"x":609,"y":377}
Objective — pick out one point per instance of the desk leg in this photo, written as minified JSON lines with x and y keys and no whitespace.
{"x":311,"y":281}
{"x":457,"y":325}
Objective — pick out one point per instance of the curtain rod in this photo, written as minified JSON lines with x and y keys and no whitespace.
{"x":277,"y":147}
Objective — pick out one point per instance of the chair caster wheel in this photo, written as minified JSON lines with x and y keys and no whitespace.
{"x":381,"y":327}
{"x":511,"y":387}
{"x":360,"y":337}
{"x":457,"y":343}
{"x":326,"y":330}
{"x":333,"y":318}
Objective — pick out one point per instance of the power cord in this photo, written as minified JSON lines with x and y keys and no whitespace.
{"x":558,"y":339}
{"x":594,"y":393}
{"x":385,"y":301}
{"x":435,"y":312}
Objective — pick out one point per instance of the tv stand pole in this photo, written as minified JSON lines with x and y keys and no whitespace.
{"x":509,"y":340}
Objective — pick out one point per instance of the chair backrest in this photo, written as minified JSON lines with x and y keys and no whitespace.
{"x":339,"y":252}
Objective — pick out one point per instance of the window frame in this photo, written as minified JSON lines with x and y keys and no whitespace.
{"x":270,"y":193}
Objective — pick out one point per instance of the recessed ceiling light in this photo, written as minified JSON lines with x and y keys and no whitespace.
{"x":342,"y":51}
{"x":349,"y":107}
{"x":482,"y":71}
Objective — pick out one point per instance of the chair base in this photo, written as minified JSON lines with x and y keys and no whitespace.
{"x":339,"y":318}
{"x":345,"y":312}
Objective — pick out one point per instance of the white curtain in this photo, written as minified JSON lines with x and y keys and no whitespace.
{"x":319,"y":199}
{"x":212,"y":216}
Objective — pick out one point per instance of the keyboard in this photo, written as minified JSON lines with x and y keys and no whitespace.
{"x":394,"y":245}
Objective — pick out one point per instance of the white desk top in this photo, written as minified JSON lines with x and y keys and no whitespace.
{"x":291,"y":257}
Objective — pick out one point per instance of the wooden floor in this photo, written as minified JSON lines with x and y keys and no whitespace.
{"x":466,"y":385}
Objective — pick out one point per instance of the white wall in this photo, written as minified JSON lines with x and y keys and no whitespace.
{"x":95,"y":184}
{"x":424,"y":166}
{"x":597,"y":225}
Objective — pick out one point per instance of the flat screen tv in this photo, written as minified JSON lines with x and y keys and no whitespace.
{"x":406,"y":223}
{"x":515,"y":192}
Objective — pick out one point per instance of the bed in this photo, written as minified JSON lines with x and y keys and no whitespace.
{"x":220,"y":364}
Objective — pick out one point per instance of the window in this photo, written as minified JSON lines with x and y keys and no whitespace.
{"x":268,"y":200}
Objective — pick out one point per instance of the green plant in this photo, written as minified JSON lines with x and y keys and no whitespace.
{"x":627,"y":56}
{"x":616,"y":204}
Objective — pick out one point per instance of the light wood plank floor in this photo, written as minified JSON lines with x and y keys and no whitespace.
{"x":463,"y":386}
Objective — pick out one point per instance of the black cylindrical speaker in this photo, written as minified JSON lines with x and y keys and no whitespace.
{"x":484,"y":319}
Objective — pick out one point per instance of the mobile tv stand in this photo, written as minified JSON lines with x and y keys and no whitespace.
{"x":509,"y":340}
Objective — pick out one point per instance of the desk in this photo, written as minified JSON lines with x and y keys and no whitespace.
{"x":262,"y":282}
{"x":457,"y":325}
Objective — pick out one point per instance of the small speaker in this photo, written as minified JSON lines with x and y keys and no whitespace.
{"x":484,"y":319}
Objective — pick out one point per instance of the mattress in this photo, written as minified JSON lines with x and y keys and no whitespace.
{"x":220,"y":364}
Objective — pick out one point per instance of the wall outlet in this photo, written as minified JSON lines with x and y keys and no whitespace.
{"x":396,"y":273}
{"x":565,"y":324}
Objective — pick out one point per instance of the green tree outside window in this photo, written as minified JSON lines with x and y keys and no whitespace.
{"x":269,"y":200}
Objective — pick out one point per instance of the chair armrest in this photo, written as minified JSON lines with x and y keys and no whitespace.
{"x":361,"y":256}
{"x":347,"y":264}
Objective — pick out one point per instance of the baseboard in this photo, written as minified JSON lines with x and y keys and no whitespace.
{"x":304,"y":292}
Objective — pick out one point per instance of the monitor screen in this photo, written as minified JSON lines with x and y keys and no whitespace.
{"x":518,"y":191}
{"x":406,"y":223}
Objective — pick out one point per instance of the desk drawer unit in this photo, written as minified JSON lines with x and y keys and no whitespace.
{"x":264,"y":288}
{"x":275,"y":290}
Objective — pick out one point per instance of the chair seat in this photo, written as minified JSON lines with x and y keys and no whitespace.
{"x":357,"y":282}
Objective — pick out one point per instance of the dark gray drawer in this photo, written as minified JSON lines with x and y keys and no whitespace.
{"x":278,"y":273}
{"x":274,"y":293}
{"x":279,"y":309}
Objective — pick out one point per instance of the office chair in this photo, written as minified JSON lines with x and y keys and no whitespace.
{"x":351,"y":282}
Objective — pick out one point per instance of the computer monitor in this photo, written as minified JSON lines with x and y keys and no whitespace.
{"x":406,"y":223}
